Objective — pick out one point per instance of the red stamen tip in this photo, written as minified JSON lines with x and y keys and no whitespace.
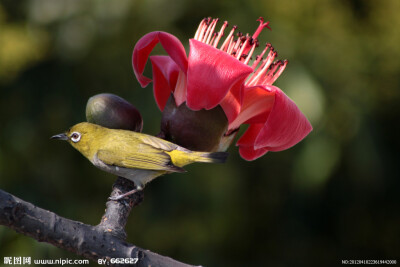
{"x":264,"y":25}
{"x":267,"y":25}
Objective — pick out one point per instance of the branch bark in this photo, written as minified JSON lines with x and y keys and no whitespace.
{"x":105,"y":241}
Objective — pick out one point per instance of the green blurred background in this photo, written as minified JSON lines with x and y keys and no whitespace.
{"x":334,"y":196}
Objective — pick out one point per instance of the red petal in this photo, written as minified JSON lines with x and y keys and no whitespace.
{"x":165,"y":75}
{"x":249,"y":137}
{"x":180,"y":89}
{"x":145,"y":45}
{"x":257,"y":103}
{"x":232,"y":101}
{"x":248,"y":153}
{"x":211,"y":74}
{"x":286,"y":125}
{"x":246,"y":143}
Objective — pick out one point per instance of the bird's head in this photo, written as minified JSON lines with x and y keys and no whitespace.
{"x":83,"y":137}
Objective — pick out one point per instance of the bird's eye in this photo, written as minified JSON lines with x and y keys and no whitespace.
{"x":75,"y":137}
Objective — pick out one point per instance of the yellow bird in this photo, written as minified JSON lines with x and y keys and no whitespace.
{"x":134,"y":156}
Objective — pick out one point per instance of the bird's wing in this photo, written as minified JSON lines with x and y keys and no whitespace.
{"x":146,"y":159}
{"x":159,"y":143}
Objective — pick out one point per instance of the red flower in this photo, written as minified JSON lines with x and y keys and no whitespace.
{"x":213,"y":76}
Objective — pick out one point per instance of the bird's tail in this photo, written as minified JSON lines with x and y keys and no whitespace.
{"x":212,"y":157}
{"x":181,"y":158}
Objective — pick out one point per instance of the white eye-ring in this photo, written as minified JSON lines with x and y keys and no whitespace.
{"x":75,"y":137}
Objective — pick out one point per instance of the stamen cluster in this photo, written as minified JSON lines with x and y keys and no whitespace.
{"x":266,"y":71}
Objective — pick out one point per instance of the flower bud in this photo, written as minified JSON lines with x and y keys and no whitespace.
{"x":200,"y":130}
{"x":113,"y":112}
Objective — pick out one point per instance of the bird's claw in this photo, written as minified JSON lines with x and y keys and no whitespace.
{"x":118,"y":197}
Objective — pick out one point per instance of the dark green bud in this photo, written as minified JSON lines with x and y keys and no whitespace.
{"x":196,"y":130}
{"x":113,"y":112}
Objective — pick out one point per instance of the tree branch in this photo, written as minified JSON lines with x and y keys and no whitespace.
{"x":117,"y":212}
{"x":104,"y":241}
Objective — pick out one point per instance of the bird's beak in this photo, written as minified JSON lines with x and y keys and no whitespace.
{"x":62,"y":136}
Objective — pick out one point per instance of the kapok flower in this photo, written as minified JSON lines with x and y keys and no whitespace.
{"x":218,"y":74}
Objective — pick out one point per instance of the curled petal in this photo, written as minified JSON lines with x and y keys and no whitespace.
{"x":285,"y":126}
{"x":248,"y":152}
{"x":145,"y":45}
{"x":249,"y":137}
{"x":246,"y":143}
{"x":274,"y":129}
{"x":211,"y":74}
{"x":165,"y":75}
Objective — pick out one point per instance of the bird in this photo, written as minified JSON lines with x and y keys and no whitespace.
{"x":135,"y":156}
